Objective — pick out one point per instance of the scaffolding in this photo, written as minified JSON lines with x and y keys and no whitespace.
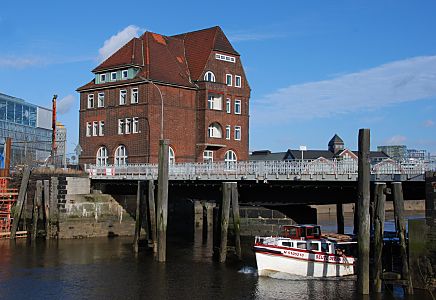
{"x":8,"y":197}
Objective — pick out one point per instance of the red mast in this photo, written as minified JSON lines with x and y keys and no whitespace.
{"x":53,"y":126}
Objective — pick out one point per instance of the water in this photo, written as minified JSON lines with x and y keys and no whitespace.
{"x":105,"y":268}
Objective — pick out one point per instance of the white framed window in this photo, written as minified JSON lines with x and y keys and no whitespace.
{"x":214,"y":131}
{"x":135,"y":122}
{"x":121,"y":126}
{"x":94,"y":128}
{"x":214,"y":102}
{"x":209,"y":76}
{"x":228,"y":130}
{"x":134,"y":98}
{"x":171,"y":156}
{"x":101,"y":128}
{"x":229,"y":79}
{"x":124,"y":74}
{"x":120,"y":155}
{"x":102,"y":77}
{"x":128,"y":126}
{"x":237,"y":81}
{"x":101,"y":158}
{"x":228,"y":105}
{"x":88,"y":129}
{"x":90,"y":100}
{"x":225,"y":57}
{"x":123,"y":96}
{"x":230,"y":160}
{"x":237,"y":133}
{"x":238,"y":107}
{"x":208,"y":156}
{"x":114,"y":76}
{"x":100,"y":102}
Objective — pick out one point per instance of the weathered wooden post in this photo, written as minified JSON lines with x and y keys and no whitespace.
{"x":363,"y":212}
{"x":225,"y":212}
{"x":152,"y":214}
{"x":36,"y":206}
{"x":236,"y":218}
{"x":340,"y":218}
{"x":20,"y":200}
{"x":162,"y":200}
{"x":400,"y":227}
{"x":379,"y":220}
{"x":47,"y":208}
{"x":138,"y":218}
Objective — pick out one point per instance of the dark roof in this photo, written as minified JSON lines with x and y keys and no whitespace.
{"x":336,"y":140}
{"x":309,"y":154}
{"x":178,"y":59}
{"x":267,"y":155}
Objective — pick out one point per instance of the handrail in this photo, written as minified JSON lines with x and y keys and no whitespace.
{"x":265,"y":168}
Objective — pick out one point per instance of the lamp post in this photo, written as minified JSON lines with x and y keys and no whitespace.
{"x":162,"y":192}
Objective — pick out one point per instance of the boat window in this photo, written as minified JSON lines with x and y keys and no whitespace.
{"x":324,"y":247}
{"x":301,"y":245}
{"x":314,"y":246}
{"x":288,"y":244}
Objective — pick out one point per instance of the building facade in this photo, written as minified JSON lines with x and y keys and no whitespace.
{"x":29,"y":127}
{"x":190,"y":89}
{"x":61,"y":145}
{"x":398,"y":152}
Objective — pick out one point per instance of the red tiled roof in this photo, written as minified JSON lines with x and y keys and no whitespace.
{"x":179,"y":59}
{"x":129,"y":54}
{"x":199,"y":44}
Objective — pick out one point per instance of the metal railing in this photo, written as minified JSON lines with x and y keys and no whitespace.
{"x":263,"y":168}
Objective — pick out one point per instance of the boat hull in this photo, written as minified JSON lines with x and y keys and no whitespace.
{"x":302,"y":264}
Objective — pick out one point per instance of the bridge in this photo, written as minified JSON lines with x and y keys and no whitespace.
{"x":321,"y":169}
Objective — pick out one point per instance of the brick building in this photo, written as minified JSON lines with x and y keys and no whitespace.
{"x":205,"y":97}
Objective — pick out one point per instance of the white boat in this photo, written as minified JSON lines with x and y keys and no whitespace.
{"x":301,"y":250}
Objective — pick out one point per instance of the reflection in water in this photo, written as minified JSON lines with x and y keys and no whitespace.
{"x":108,"y":269}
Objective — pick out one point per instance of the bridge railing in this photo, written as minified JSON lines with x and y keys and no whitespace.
{"x":319,"y":166}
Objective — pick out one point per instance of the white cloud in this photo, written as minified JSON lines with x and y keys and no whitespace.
{"x":65,"y":104}
{"x":20,"y":62}
{"x":428,"y":123}
{"x":116,"y":41}
{"x":400,"y":81}
{"x":396,"y":140}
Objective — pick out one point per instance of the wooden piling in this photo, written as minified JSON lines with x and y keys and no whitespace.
{"x":138,"y":218}
{"x":379,"y":220}
{"x":400,"y":227}
{"x":37,"y":199}
{"x":236,"y":218}
{"x":19,"y":206}
{"x":225,"y":212}
{"x":47,"y":208}
{"x":340,"y":218}
{"x":363,"y":212}
{"x":152,"y":213}
{"x":162,"y":200}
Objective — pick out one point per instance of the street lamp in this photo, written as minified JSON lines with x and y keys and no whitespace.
{"x":162,"y":192}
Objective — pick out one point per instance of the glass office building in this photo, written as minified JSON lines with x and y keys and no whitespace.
{"x":29,"y":127}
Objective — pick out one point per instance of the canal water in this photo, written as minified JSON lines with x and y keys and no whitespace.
{"x":104,"y":268}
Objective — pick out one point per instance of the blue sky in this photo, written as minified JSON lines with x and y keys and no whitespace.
{"x":315,"y":68}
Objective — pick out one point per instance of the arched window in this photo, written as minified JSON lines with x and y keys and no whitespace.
{"x":171,"y":156}
{"x":209,"y":76}
{"x":230,"y":160}
{"x":120,"y":155}
{"x":101,"y":159}
{"x":215,"y":131}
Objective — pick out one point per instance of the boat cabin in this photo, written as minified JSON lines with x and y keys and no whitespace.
{"x":301,"y":232}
